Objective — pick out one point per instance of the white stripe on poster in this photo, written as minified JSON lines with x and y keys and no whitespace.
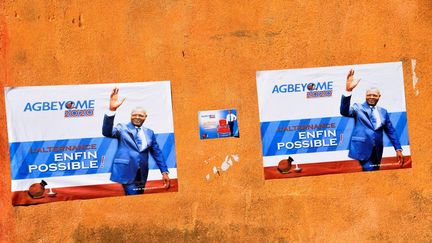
{"x":323,"y":157}
{"x":81,"y":180}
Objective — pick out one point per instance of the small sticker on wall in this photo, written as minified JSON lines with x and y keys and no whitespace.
{"x":218,"y":124}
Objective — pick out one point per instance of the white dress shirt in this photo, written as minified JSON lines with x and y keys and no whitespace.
{"x":231,"y":117}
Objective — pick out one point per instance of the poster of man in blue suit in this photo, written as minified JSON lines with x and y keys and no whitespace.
{"x":324,"y":120}
{"x":370,"y":123}
{"x":135,"y":142}
{"x":91,"y":141}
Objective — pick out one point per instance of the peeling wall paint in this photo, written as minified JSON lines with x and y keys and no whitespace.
{"x":223,"y":167}
{"x":414,"y":76}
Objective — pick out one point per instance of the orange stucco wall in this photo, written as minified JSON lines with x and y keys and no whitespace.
{"x":210,"y":50}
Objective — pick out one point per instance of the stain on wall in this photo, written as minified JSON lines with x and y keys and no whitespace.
{"x":210,"y":50}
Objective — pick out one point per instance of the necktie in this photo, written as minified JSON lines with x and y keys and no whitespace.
{"x":373,"y":118}
{"x":138,"y":139}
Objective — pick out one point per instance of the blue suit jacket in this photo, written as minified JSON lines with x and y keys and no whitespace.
{"x":364,"y":136}
{"x":128,"y":158}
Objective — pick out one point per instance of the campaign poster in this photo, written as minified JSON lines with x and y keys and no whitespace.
{"x":218,"y":124}
{"x":70,"y":142}
{"x":312,"y":125}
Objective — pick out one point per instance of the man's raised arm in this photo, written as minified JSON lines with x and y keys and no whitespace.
{"x":345,"y":107}
{"x":114,"y":103}
{"x":108,"y":123}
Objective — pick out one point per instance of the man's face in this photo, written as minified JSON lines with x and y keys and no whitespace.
{"x":138,"y":117}
{"x":372,"y":97}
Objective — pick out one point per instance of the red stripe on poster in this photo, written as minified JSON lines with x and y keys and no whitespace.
{"x":347,"y":166}
{"x":21,"y":198}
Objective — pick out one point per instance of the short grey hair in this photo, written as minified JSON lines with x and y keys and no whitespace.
{"x":138,"y":108}
{"x":373,"y":88}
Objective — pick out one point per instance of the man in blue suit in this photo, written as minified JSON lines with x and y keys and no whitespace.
{"x":370,"y":122}
{"x":135,"y":142}
{"x":231,"y":118}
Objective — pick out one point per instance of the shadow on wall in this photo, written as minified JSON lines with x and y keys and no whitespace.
{"x":151,"y":233}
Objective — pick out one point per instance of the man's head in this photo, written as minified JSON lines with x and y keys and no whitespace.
{"x":138,"y":116}
{"x":372,"y":96}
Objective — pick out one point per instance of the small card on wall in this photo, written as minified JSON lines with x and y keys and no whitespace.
{"x":218,"y":124}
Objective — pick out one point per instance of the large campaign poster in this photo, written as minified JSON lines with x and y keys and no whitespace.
{"x":58,"y":151}
{"x":308,"y":128}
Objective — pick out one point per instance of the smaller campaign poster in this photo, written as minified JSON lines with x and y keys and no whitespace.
{"x":218,"y":124}
{"x":329,"y":120}
{"x":69,"y":142}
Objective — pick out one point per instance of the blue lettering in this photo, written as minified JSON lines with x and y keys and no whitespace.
{"x":283,"y":88}
{"x":27,"y":107}
{"x":54,"y":105}
{"x":91,"y":104}
{"x":321,"y":86}
{"x":290,"y":88}
{"x":81,"y":104}
{"x":61,"y":103}
{"x":37,"y":106}
{"x":46,"y":106}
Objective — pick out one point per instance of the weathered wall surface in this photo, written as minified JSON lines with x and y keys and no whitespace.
{"x":210,"y":50}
